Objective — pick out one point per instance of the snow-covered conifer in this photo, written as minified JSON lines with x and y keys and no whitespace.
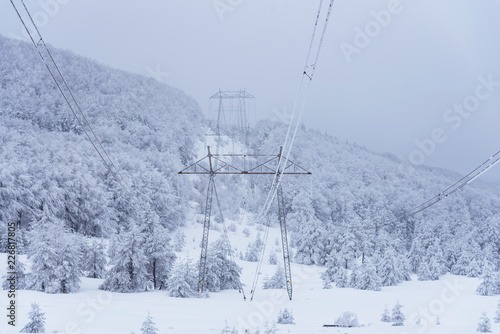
{"x":397,"y":315}
{"x":129,"y":271}
{"x":273,"y":259}
{"x":148,"y":326}
{"x":271,"y":330}
{"x":392,"y":267}
{"x":277,"y":281}
{"x":222,"y":272}
{"x":179,"y":241}
{"x":159,"y":255}
{"x":285,"y":317}
{"x":484,"y":325}
{"x":183,"y":281}
{"x":55,"y":257}
{"x":36,"y":322}
{"x":497,"y":314}
{"x":386,"y":317}
{"x":253,"y":250}
{"x":20,"y":277}
{"x":488,"y":286}
{"x":367,"y":277}
{"x":94,"y":260}
{"x":308,"y":233}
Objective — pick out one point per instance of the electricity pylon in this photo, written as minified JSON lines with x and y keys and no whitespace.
{"x":215,"y":164}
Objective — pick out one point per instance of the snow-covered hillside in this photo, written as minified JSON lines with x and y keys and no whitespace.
{"x":98,"y":258}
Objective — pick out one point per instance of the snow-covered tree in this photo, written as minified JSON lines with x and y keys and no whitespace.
{"x":271,"y":330}
{"x":366,"y":277}
{"x":497,"y":314}
{"x":36,"y":322}
{"x":20,"y":277}
{"x":129,"y":271}
{"x":308,"y":232}
{"x":273,"y":259}
{"x":179,"y":241}
{"x":183,"y":281}
{"x":484,"y":325}
{"x":229,"y":330}
{"x":277,"y":281}
{"x":222,"y":272}
{"x":94,"y":260}
{"x":386,"y":317}
{"x":55,"y":257}
{"x":285,"y":317}
{"x":424,"y":237}
{"x":468,"y":262}
{"x":159,"y":255}
{"x":489,"y":285}
{"x":253,"y":250}
{"x":148,"y":326}
{"x":336,"y":272}
{"x":433,"y":264}
{"x":392,"y":267}
{"x":397,"y":315}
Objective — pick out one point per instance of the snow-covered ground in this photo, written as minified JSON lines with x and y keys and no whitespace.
{"x":452,"y":299}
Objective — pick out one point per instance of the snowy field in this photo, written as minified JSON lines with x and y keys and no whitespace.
{"x":90,"y":310}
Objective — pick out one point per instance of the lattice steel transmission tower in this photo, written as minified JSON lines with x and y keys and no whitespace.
{"x":216,"y":164}
{"x":229,"y":110}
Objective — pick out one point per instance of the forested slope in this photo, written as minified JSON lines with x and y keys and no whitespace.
{"x":147,"y":128}
{"x":53,"y":183}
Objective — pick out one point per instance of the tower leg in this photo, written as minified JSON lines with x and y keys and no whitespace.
{"x":206,"y":229}
{"x":284,"y":241}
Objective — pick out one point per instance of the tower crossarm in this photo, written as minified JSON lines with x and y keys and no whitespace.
{"x":239,"y":165}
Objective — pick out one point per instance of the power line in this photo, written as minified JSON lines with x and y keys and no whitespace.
{"x":300,"y":99}
{"x":464,"y":181}
{"x":68,"y":98}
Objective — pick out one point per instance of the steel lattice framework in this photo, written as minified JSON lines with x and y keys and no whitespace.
{"x":214,"y":164}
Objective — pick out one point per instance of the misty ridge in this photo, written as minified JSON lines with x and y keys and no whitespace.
{"x":51,"y":177}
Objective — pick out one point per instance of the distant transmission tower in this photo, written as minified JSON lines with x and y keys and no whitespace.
{"x":229,"y":111}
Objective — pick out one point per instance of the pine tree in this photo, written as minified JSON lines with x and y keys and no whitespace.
{"x":397,"y":315}
{"x":222,"y":272}
{"x":20,"y":279}
{"x":253,"y":250}
{"x":148,"y":326}
{"x":273,"y":259}
{"x":129,"y":272}
{"x":433,"y":264}
{"x":179,"y":241}
{"x":484,"y":325}
{"x":488,"y":286}
{"x":55,"y":257}
{"x":228,"y":330}
{"x":183,"y":281}
{"x":271,"y":330}
{"x":309,"y":234}
{"x":159,"y":255}
{"x":497,"y":314}
{"x":342,"y":278}
{"x":367,"y":277}
{"x":285,"y":317}
{"x":386,"y":317}
{"x":37,"y":320}
{"x":94,"y":260}
{"x":467,"y":263}
{"x":277,"y":281}
{"x":424,"y":273}
{"x":392,"y":267}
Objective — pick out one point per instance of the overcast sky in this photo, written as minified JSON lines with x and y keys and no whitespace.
{"x":416,"y":78}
